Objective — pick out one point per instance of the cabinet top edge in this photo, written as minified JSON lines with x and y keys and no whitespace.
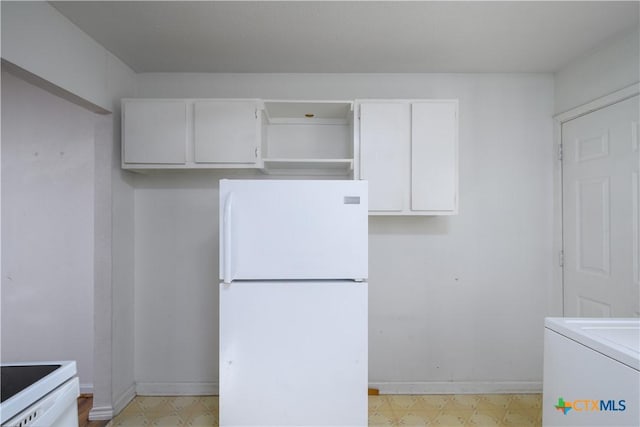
{"x":190,"y":99}
{"x":305,"y":101}
{"x":262,"y":101}
{"x":407,"y":100}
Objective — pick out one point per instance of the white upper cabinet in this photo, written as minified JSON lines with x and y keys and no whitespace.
{"x":434,"y":156}
{"x":385,"y":154}
{"x":226,"y":131}
{"x":407,"y":149}
{"x":409,"y":154}
{"x":279,"y":137}
{"x":190,"y":134}
{"x":155,"y":131}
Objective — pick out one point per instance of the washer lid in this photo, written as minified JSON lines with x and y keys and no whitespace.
{"x":616,"y":338}
{"x":621,"y":336}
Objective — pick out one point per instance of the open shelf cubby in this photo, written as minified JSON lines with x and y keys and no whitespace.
{"x":308,"y":137}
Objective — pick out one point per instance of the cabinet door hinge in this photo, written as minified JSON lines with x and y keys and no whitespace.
{"x":256,"y":112}
{"x":561,"y":258}
{"x":256,"y":152}
{"x":560,"y":152}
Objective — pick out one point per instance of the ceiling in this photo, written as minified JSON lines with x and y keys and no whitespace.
{"x":350,"y":37}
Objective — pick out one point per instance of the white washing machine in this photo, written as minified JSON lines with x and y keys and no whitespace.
{"x":591,"y":372}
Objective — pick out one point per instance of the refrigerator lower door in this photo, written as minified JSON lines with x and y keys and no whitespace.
{"x":293,"y":354}
{"x":293,"y":230}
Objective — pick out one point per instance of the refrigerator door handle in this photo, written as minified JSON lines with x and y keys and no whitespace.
{"x":226,"y":239}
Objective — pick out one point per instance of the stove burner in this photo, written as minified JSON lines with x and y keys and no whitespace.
{"x":14,"y":379}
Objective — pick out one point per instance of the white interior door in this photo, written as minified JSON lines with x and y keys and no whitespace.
{"x":600,"y":212}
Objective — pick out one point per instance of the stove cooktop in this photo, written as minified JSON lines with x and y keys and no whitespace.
{"x":15,"y":378}
{"x":24,"y":383}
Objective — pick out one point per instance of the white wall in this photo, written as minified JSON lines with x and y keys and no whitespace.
{"x":122,"y":279}
{"x":37,"y":38}
{"x":613,"y":65}
{"x":456,"y":303}
{"x":43,"y":47}
{"x":118,"y":226}
{"x":114,"y":274}
{"x":47,"y":228}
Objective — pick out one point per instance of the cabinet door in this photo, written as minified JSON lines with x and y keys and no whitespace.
{"x":154,"y":131}
{"x":434,"y":155}
{"x":226,"y":132}
{"x":385,"y":153}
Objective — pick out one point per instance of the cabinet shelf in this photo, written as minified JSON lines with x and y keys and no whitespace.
{"x":308,"y":112}
{"x":313,"y":166}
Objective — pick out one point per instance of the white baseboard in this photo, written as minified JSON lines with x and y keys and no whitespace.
{"x":101,"y":413}
{"x":454,"y":387}
{"x":426,"y":387}
{"x":86,"y":388}
{"x":123,"y":400}
{"x":177,"y":389}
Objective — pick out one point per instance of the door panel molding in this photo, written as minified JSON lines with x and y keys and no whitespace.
{"x":593,"y":209}
{"x":635,"y":197}
{"x":588,"y":307}
{"x":591,"y":148}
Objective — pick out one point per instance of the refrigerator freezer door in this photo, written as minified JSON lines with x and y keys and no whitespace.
{"x":287,"y":230}
{"x":293,"y":354}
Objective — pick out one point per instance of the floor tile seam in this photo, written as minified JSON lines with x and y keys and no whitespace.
{"x":387,"y":400}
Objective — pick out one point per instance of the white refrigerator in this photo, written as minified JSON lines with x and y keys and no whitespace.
{"x":293,"y":303}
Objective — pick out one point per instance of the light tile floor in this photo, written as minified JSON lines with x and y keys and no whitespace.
{"x":519,"y":410}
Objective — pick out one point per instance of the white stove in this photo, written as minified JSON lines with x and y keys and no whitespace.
{"x":39,"y":394}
